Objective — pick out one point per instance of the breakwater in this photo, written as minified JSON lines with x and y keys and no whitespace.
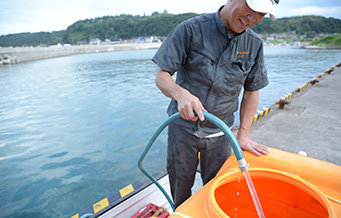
{"x":14,"y":55}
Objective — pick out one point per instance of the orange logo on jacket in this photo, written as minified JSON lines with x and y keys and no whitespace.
{"x":241,"y":54}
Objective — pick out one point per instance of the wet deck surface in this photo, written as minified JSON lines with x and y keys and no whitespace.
{"x":311,"y":122}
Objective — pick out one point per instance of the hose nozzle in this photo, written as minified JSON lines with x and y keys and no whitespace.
{"x":243,"y":166}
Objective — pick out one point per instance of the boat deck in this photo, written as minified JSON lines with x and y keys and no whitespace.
{"x":131,"y":199}
{"x":150,"y":194}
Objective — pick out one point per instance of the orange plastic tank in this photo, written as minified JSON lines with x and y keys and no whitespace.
{"x":288,"y":185}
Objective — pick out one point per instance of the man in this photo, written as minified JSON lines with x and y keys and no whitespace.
{"x":215,"y":56}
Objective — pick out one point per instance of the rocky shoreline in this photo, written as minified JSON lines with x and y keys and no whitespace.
{"x":15,"y":55}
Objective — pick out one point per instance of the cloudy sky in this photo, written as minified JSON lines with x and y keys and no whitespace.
{"x":18,"y":16}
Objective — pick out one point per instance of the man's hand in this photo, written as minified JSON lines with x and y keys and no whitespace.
{"x":247,"y":111}
{"x":188,"y":104}
{"x":247,"y":144}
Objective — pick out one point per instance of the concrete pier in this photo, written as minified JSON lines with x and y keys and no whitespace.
{"x":310,"y":122}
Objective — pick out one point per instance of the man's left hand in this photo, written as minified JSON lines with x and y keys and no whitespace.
{"x":255,"y":148}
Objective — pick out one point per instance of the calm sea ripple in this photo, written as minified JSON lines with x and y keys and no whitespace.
{"x":73,"y":128}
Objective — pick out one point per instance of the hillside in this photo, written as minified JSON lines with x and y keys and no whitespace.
{"x":158,"y":24}
{"x":328,"y":41}
{"x":123,"y":27}
{"x":301,"y":25}
{"x":32,"y":39}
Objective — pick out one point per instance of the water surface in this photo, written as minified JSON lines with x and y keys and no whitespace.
{"x":73,"y":128}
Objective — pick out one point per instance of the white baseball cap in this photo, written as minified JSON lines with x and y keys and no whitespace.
{"x":264,"y":6}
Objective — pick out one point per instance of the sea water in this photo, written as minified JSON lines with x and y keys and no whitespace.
{"x":72,"y":128}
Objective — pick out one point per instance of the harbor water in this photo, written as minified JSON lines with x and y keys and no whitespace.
{"x":72,"y":128}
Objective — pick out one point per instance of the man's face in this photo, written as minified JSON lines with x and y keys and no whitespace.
{"x":240,"y":16}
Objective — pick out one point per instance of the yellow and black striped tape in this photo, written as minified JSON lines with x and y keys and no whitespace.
{"x":300,"y":88}
{"x":109,"y":200}
{"x":310,"y":81}
{"x":321,"y":75}
{"x":261,"y":113}
{"x":285,"y":97}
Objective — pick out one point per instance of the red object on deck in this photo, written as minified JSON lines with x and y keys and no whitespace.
{"x":164,"y":215}
{"x":149,"y":211}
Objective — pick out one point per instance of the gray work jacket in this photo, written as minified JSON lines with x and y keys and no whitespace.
{"x":212,"y":67}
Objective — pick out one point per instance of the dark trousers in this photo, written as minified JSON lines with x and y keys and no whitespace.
{"x":182,"y":160}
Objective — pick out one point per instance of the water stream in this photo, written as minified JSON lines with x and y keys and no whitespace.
{"x":254,"y":194}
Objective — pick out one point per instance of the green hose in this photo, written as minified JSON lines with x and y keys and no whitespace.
{"x":210,"y":117}
{"x":87,"y":215}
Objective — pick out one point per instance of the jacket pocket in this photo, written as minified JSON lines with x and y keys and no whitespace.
{"x":200,"y":67}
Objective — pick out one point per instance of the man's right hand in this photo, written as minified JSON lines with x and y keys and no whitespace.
{"x":187,"y":103}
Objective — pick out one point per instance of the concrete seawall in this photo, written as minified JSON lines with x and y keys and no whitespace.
{"x":15,"y":55}
{"x":310,"y":122}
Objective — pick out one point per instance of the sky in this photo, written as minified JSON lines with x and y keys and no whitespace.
{"x":17,"y":16}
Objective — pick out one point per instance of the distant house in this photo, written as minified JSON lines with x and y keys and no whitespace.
{"x":147,"y":39}
{"x":319,"y":36}
{"x":82,"y":43}
{"x":278,"y":36}
{"x":267,"y":36}
{"x":114,"y":41}
{"x":284,"y":36}
{"x":96,"y":41}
